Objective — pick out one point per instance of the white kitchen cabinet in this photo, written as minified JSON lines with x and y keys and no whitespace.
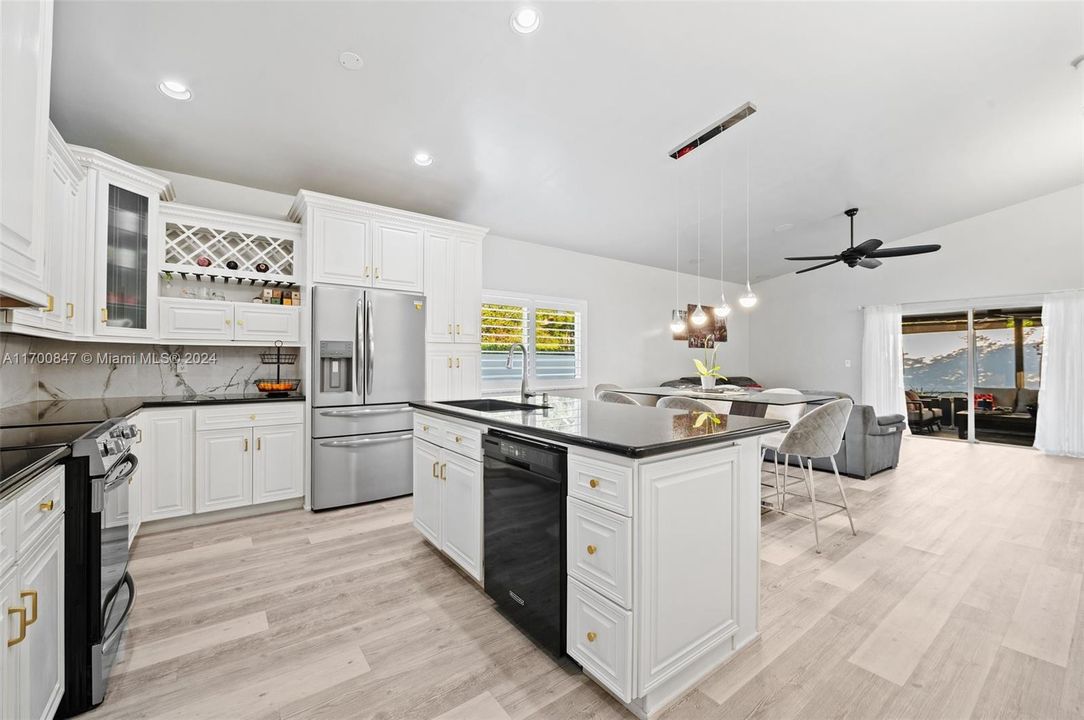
{"x":135,"y":504}
{"x":277,"y":465}
{"x":26,"y":33}
{"x":452,"y":372}
{"x":397,"y":262}
{"x":461,"y":512}
{"x":181,"y":318}
{"x":10,"y":611}
{"x":267,"y":323}
{"x":427,"y":490}
{"x":341,"y":249}
{"x":453,"y":287}
{"x":223,"y":469}
{"x":40,"y":656}
{"x":164,"y":446}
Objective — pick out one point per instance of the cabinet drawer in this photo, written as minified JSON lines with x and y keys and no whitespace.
{"x":599,"y":637}
{"x":600,"y":483}
{"x":251,"y":415}
{"x":37,"y":505}
{"x":463,"y":439}
{"x":7,"y":535}
{"x":599,"y":550}
{"x":429,"y":428}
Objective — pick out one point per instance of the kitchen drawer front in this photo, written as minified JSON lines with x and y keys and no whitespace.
{"x":463,"y":439}
{"x":340,"y":421}
{"x":599,"y":637}
{"x":37,"y":506}
{"x":254,"y":414}
{"x":600,"y":483}
{"x":429,"y":428}
{"x":599,"y":550}
{"x":8,"y":533}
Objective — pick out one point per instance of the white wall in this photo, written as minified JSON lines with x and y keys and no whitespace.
{"x":807,"y":327}
{"x":628,"y":309}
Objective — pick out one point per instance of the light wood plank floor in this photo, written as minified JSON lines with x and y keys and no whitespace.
{"x":959,"y":598}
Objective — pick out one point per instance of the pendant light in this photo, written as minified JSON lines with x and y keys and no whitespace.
{"x":748,"y":298}
{"x":723,"y":309}
{"x":699,"y":317}
{"x":677,"y":323}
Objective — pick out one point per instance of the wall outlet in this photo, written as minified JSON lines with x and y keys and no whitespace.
{"x":846,"y":363}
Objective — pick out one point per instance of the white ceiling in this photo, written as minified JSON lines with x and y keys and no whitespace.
{"x":919,"y":113}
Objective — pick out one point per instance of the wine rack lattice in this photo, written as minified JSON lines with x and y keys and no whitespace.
{"x":186,"y":244}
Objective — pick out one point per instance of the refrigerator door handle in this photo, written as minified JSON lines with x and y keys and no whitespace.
{"x":364,"y":442}
{"x":370,"y":337}
{"x":364,"y":411}
{"x":358,"y":344}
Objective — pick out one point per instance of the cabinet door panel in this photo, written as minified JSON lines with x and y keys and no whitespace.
{"x":468,"y":290}
{"x":461,"y":515}
{"x":438,"y":375}
{"x":397,"y":257}
{"x":164,"y":449}
{"x":341,"y":251}
{"x":9,"y":598}
{"x":277,"y":472}
{"x":223,"y":469}
{"x":466,"y":375}
{"x":427,"y":490}
{"x":267,"y":322}
{"x":41,"y":660}
{"x":127,"y":277}
{"x":439,"y":289}
{"x":195,"y":319}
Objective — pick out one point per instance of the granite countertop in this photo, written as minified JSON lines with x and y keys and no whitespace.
{"x":20,"y":467}
{"x":95,"y":410}
{"x":631,"y":430}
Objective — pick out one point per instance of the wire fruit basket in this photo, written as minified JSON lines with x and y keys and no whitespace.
{"x":278,"y":386}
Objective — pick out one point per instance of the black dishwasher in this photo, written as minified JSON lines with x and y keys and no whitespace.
{"x":524,"y":511}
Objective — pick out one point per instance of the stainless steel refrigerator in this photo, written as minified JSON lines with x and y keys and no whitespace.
{"x":368,"y":347}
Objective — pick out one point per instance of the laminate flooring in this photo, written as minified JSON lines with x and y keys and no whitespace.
{"x":959,"y":598}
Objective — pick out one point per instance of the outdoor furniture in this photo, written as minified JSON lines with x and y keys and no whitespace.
{"x":920,"y":413}
{"x":997,"y":422}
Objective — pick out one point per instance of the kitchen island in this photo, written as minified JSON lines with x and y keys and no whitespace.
{"x":661,"y":529}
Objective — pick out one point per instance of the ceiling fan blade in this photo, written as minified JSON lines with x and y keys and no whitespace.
{"x":815,"y":257}
{"x":868,"y":246}
{"x":902,"y":251}
{"x":870,"y":263}
{"x":817,"y":267}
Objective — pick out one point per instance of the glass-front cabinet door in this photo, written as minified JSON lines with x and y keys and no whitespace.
{"x":126,"y":272}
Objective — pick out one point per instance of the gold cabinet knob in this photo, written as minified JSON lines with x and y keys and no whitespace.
{"x":592,"y":636}
{"x":591,"y":549}
{"x":46,"y":506}
{"x":252,"y":417}
{"x":594,"y":482}
{"x":458,"y":438}
{"x":425,"y":428}
{"x":228,"y":322}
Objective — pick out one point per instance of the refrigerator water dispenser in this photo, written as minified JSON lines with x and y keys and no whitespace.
{"x":336,"y":366}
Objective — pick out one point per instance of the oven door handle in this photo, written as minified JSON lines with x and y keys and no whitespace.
{"x":364,"y":442}
{"x":114,"y":634}
{"x":120,"y":476}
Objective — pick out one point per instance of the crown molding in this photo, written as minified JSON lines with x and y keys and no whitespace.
{"x":64,"y":154}
{"x":225,"y":220}
{"x":308,"y":199}
{"x":90,"y":158}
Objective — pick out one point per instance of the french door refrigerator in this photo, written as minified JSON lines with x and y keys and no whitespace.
{"x":369,"y":354}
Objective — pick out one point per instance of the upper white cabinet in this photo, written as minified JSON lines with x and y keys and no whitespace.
{"x":209,"y":320}
{"x":397,"y":256}
{"x":341,"y":248}
{"x":122,"y":225}
{"x":453,"y":286}
{"x":26,"y":35}
{"x":267,"y":323}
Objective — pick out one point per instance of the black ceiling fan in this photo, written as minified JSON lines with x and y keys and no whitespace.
{"x":865,"y":254}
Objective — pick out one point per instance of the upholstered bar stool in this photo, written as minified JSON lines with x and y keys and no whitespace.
{"x":676,"y":402}
{"x":603,"y":387}
{"x":611,"y":396}
{"x":817,"y":434}
{"x":790,"y":413}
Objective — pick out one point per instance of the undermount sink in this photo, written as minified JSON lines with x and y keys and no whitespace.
{"x":490,"y":405}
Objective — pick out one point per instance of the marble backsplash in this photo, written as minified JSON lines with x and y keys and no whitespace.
{"x":41,"y":369}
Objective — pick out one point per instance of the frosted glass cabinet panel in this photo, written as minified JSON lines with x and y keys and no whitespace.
{"x":127,"y":254}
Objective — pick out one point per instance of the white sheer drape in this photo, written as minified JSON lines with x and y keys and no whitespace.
{"x":882,"y":360}
{"x":1060,"y":428}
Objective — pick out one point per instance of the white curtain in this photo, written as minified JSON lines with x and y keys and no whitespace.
{"x":882,"y":360}
{"x":1060,"y":428}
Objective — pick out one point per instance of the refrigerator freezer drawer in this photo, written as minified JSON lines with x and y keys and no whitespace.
{"x":360,"y":420}
{"x":361,"y":468}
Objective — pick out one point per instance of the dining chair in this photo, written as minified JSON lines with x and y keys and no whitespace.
{"x":677,"y":402}
{"x":603,"y":387}
{"x":818,"y":434}
{"x":790,"y":413}
{"x":611,"y":396}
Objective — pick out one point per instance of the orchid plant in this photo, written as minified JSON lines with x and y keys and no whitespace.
{"x":708,"y":367}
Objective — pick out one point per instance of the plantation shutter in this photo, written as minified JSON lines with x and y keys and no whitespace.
{"x":503,"y":323}
{"x":557,"y":344}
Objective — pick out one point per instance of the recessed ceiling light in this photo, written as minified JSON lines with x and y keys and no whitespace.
{"x":526,"y":20}
{"x":784,"y":227}
{"x":175,"y":90}
{"x":351,"y":60}
{"x":423,"y":158}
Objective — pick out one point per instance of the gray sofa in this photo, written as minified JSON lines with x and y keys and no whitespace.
{"x":871,"y":444}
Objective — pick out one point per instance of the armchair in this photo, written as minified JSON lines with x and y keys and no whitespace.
{"x":922,"y":414}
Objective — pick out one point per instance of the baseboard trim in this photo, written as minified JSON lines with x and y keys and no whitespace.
{"x":153,"y":527}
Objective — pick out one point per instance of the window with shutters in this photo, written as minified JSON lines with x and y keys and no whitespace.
{"x":551,"y":329}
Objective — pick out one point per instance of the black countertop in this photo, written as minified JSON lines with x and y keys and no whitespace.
{"x":631,"y":430}
{"x":96,"y":410}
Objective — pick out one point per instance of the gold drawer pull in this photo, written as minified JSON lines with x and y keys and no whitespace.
{"x":378,"y":273}
{"x":46,"y":506}
{"x":71,"y":311}
{"x":49,"y":308}
{"x":449,"y":361}
{"x":258,"y":443}
{"x":458,"y":331}
{"x":591,"y":549}
{"x":457,"y":362}
{"x":459,"y":438}
{"x":22,"y":624}
{"x":449,"y":328}
{"x":105,"y":315}
{"x":594,"y":482}
{"x":592,"y":636}
{"x":443,"y":467}
{"x":33,"y":595}
{"x":425,"y":428}
{"x":366,"y":271}
{"x":245,"y":441}
{"x":435,"y":466}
